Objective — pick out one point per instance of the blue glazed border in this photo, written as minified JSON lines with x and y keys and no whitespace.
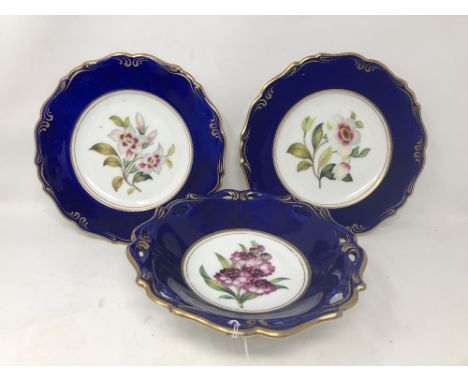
{"x":92,"y":80}
{"x":352,"y":72}
{"x":337,"y":262}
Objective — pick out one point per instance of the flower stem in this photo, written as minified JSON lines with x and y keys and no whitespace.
{"x":125,"y":173}
{"x":312,"y":159}
{"x":325,"y":141}
{"x":130,"y":164}
{"x":125,"y":176}
{"x":131,"y":184}
{"x":238,"y":298}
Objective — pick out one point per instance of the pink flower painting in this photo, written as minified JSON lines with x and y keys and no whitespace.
{"x":134,"y":153}
{"x":330,"y":148}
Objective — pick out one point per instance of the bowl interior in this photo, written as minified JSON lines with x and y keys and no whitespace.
{"x":310,"y":265}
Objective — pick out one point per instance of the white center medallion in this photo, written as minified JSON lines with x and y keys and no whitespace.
{"x":246,"y":271}
{"x":131,"y":150}
{"x":332,"y":148}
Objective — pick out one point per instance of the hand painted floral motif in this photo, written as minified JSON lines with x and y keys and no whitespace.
{"x":340,"y":140}
{"x":135,"y":156}
{"x":243,"y":276}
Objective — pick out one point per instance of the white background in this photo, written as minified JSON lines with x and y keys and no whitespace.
{"x":69,"y":298}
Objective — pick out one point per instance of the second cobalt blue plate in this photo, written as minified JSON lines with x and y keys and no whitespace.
{"x":123,"y":135}
{"x":338,"y":131}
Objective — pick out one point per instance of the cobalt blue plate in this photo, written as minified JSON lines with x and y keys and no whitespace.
{"x":338,"y":131}
{"x":247,"y":262}
{"x":123,"y":135}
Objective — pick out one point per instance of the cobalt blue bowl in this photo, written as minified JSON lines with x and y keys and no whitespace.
{"x":195,"y":258}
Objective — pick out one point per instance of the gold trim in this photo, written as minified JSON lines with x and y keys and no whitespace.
{"x":256,"y":330}
{"x":357,"y":228}
{"x":214,"y":127}
{"x":348,"y":247}
{"x":383,"y":171}
{"x":418,"y":151}
{"x":321,"y":212}
{"x":144,"y":243}
{"x":81,"y":220}
{"x":320,"y":58}
{"x":263,"y":102}
{"x":134,"y":62}
{"x":85,"y":184}
{"x":296,"y":251}
{"x":45,"y":124}
{"x":328,"y":57}
{"x":70,"y":215}
{"x":46,"y":117}
{"x":363,"y":65}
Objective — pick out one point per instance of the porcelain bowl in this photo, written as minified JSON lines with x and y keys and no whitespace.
{"x":248,"y":263}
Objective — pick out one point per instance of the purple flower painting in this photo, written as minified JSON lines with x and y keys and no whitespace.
{"x":244,"y":276}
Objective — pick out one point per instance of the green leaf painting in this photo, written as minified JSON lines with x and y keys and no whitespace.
{"x":328,"y":156}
